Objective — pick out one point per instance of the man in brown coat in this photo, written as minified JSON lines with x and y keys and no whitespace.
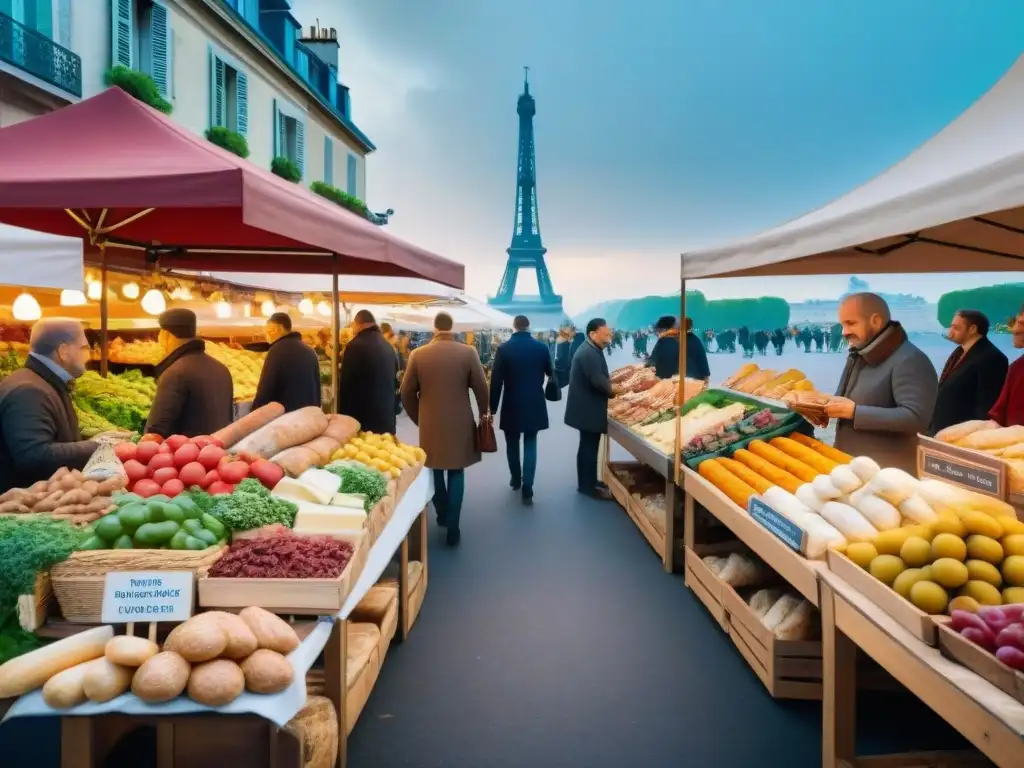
{"x":435,"y":394}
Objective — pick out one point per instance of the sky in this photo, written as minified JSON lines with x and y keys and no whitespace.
{"x":661,"y":125}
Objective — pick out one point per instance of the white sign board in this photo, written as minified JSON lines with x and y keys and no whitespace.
{"x":146,"y":596}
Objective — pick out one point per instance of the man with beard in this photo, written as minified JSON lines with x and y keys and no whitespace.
{"x":887,"y":391}
{"x":38,"y":426}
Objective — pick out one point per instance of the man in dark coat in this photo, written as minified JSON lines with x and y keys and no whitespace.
{"x":369,"y":377}
{"x":972,"y":377}
{"x":194,"y":392}
{"x":586,"y":408}
{"x":664,"y":358}
{"x":563,"y":357}
{"x":291,"y":370}
{"x":521,"y":366}
{"x":577,"y":341}
{"x":38,"y":426}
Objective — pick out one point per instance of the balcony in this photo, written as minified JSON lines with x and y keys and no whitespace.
{"x":38,"y":55}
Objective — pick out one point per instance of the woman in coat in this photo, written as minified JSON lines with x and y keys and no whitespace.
{"x":435,"y":393}
{"x":563,"y":357}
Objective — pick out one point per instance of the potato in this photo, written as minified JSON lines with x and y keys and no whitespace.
{"x":216,"y":683}
{"x":64,"y":689}
{"x":128,"y":651}
{"x":241,"y":639}
{"x":267,"y":671}
{"x":198,"y":639}
{"x":161,"y":678}
{"x":272,"y":632}
{"x":105,"y":680}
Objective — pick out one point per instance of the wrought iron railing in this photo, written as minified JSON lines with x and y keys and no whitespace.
{"x":40,"y":56}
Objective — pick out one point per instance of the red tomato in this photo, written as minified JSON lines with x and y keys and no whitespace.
{"x":202,"y":441}
{"x":125,"y":451}
{"x":234,"y":472}
{"x":220,"y":487}
{"x":176,"y":441}
{"x":211,"y":477}
{"x":186,"y":454}
{"x":267,"y":472}
{"x":172,"y":488}
{"x":217,"y":441}
{"x":193,"y":473}
{"x":160,"y":461}
{"x":145,"y":452}
{"x":151,"y":438}
{"x":146,"y":488}
{"x":135,"y":470}
{"x":210,"y":456}
{"x":247,"y":457}
{"x":165,"y":448}
{"x":164,"y":474}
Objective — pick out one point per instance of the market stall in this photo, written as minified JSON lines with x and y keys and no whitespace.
{"x":37,"y":260}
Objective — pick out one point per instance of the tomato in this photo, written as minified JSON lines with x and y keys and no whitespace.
{"x":211,"y":477}
{"x":150,"y":437}
{"x":234,"y":472}
{"x":146,"y":488}
{"x":217,"y":441}
{"x":160,"y":461}
{"x":247,"y":457}
{"x":163,"y":474}
{"x":202,"y":441}
{"x":220,"y":487}
{"x":125,"y":451}
{"x":172,"y":488}
{"x":193,"y":473}
{"x":186,"y":454}
{"x":210,"y":456}
{"x":145,"y":452}
{"x":176,"y":441}
{"x":135,"y":470}
{"x":267,"y":472}
{"x":165,"y":448}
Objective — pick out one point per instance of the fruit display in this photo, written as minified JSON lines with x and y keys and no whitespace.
{"x":1006,"y":443}
{"x":999,"y":630}
{"x":385,"y":453}
{"x":753,"y":380}
{"x":157,"y":522}
{"x":67,"y":495}
{"x":212,"y":658}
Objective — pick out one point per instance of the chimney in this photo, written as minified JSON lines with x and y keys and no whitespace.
{"x":323,"y":43}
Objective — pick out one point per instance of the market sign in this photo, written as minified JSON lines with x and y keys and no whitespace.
{"x":968,"y":469}
{"x":785,"y":529}
{"x":147,"y":596}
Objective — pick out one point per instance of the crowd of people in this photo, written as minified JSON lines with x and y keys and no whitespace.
{"x":812,"y":338}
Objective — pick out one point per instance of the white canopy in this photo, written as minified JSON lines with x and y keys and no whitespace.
{"x":359,"y":290}
{"x":953,"y":205}
{"x":472,"y":316}
{"x":38,"y":260}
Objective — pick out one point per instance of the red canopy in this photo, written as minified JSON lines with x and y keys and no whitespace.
{"x":112,"y":160}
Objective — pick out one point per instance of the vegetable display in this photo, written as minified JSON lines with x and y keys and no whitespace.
{"x":158,"y":522}
{"x":384,"y":453}
{"x":67,"y":495}
{"x":122,"y":400}
{"x":284,"y":556}
{"x":360,"y":479}
{"x":999,"y":630}
{"x":252,"y":506}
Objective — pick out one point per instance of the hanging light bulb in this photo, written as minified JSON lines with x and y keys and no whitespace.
{"x":222,"y":309}
{"x":153,"y":302}
{"x":306,"y":306}
{"x":94,"y":290}
{"x":324,"y":308}
{"x":267,"y":308}
{"x":130,"y":291}
{"x":181,"y":293}
{"x":247,"y":309}
{"x":26,"y":308}
{"x":71,"y":298}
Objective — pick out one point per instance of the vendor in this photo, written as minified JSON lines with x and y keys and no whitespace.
{"x":291,"y":370}
{"x":1009,"y":408}
{"x":194,"y":392}
{"x":887,"y":390}
{"x":38,"y":426}
{"x":368,"y":384}
{"x":664,"y":357}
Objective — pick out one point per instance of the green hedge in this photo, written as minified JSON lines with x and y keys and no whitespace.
{"x":766,"y":312}
{"x":340,"y":197}
{"x":227,"y":139}
{"x":139,"y":85}
{"x":1000,"y":303}
{"x":286,"y":169}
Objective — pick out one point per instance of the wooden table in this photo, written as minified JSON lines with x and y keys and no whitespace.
{"x":988,"y":718}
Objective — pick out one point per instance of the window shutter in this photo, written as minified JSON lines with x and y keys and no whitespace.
{"x":351,"y":180}
{"x":121,"y":32}
{"x":242,"y":103}
{"x":64,"y":22}
{"x":216,"y":90}
{"x":328,"y":160}
{"x":280,"y":140}
{"x":300,"y":146}
{"x":159,"y":32}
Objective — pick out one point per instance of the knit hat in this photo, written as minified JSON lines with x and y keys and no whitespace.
{"x":180,"y":323}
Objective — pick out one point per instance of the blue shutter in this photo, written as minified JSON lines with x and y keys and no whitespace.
{"x":242,"y":103}
{"x":351,"y":180}
{"x":64,"y":23}
{"x":159,"y":32}
{"x":280,"y":140}
{"x":300,"y":146}
{"x":121,"y":32}
{"x":216,"y":90}
{"x":328,"y":160}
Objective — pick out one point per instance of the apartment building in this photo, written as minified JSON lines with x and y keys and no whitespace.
{"x":245,"y":65}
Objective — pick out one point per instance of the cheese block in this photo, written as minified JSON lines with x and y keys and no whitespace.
{"x":324,"y":519}
{"x":322,"y":479}
{"x":297,"y":490}
{"x":349,"y":501}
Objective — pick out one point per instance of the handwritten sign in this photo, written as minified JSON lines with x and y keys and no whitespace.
{"x":785,"y":529}
{"x":971,"y":470}
{"x":147,"y":596}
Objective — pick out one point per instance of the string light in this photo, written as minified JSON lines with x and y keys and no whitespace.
{"x":267,"y":308}
{"x":130,"y":291}
{"x":247,"y":310}
{"x":222,"y":309}
{"x":324,"y":308}
{"x":26,"y":308}
{"x":153,"y":302}
{"x":72,"y":298}
{"x":306,"y":306}
{"x":94,"y":290}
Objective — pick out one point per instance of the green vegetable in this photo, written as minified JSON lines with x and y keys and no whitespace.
{"x":251,"y":506}
{"x":201,"y":499}
{"x":214,"y":525}
{"x":132,"y":516}
{"x":192,"y":526}
{"x":108,"y":528}
{"x":358,"y":478}
{"x":173,"y":512}
{"x":94,"y":542}
{"x":179,"y":540}
{"x":123,"y":499}
{"x":208,"y":536}
{"x":124,"y":542}
{"x":191,"y":542}
{"x":189,"y":507}
{"x":154,"y":535}
{"x":118,"y":402}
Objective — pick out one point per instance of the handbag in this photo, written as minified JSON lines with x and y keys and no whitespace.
{"x":552,"y":392}
{"x":486,"y":442}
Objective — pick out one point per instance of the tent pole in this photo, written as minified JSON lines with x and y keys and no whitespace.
{"x":682,"y":383}
{"x":335,"y":333}
{"x":104,"y":313}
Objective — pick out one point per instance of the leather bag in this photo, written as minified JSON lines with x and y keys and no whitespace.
{"x":552,"y":392}
{"x":486,"y":442}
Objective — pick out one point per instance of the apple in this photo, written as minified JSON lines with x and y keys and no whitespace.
{"x":172,"y":487}
{"x":145,"y":452}
{"x":192,"y":473}
{"x":210,"y":456}
{"x":186,"y":454}
{"x":160,"y":461}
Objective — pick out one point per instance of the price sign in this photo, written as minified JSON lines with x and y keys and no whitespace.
{"x":969,"y":469}
{"x":145,"y":596}
{"x":783,"y":528}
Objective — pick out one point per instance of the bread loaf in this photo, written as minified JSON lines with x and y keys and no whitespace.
{"x":28,"y":672}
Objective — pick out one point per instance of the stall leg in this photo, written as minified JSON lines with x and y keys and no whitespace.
{"x":689,"y":520}
{"x":76,"y":742}
{"x":839,"y":688}
{"x":404,"y":614}
{"x":336,"y":685}
{"x":668,"y":555}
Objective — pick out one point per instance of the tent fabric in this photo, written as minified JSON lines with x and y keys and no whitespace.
{"x":113,"y":157}
{"x":38,"y":260}
{"x":353,"y":290}
{"x":956,"y":204}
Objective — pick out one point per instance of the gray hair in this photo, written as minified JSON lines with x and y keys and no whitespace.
{"x":871,"y":304}
{"x":48,"y":334}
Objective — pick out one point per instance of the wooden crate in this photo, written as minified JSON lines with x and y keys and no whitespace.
{"x":789,"y":669}
{"x":619,"y":491}
{"x":33,"y":609}
{"x":706,"y":585}
{"x":979,"y":661}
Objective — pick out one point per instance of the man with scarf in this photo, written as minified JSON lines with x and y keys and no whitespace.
{"x":887,"y":392}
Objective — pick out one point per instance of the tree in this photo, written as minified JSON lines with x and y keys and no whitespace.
{"x":1000,"y":303}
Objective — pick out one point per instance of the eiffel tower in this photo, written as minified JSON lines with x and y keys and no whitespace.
{"x":527,"y":251}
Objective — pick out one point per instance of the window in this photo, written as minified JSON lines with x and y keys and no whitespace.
{"x":141,"y":39}
{"x":290,"y":134}
{"x":229,"y":94}
{"x":328,"y":160}
{"x":351,"y":180}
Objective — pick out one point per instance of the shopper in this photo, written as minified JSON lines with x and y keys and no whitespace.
{"x":369,"y":377}
{"x":38,"y":426}
{"x":521,"y":366}
{"x":578,"y":339}
{"x":291,"y":370}
{"x":664,"y":358}
{"x":563,"y":357}
{"x":435,"y":392}
{"x":194,"y":392}
{"x":1009,"y":408}
{"x":586,"y":408}
{"x":887,"y":390}
{"x":972,"y":377}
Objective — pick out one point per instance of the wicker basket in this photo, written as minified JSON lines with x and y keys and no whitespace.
{"x":78,"y":581}
{"x":406,"y":479}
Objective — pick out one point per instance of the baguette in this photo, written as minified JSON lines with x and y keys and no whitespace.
{"x":236,"y":431}
{"x":28,"y":672}
{"x":824,"y":449}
